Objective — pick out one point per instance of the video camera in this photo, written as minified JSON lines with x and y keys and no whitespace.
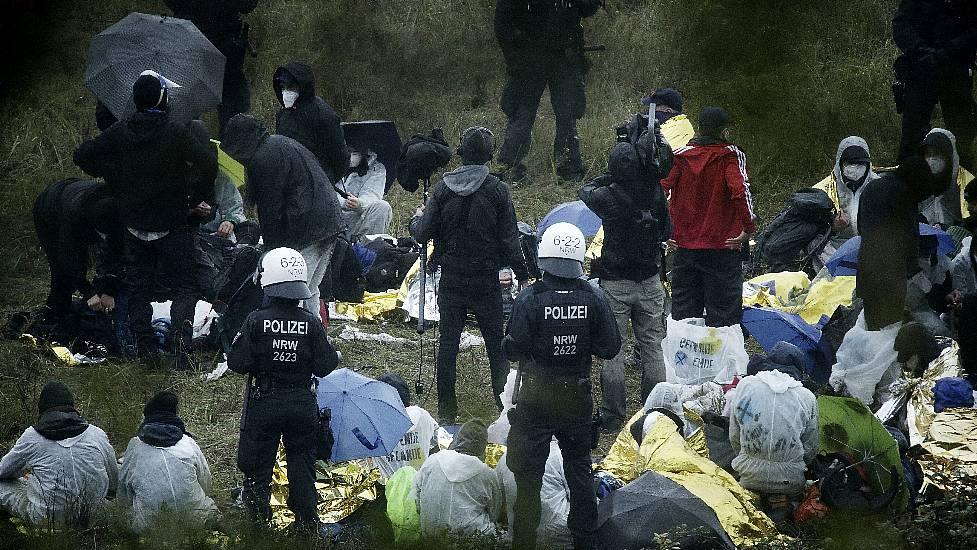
{"x":644,"y":133}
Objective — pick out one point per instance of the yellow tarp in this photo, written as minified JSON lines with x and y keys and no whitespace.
{"x":231,"y":167}
{"x":666,"y":452}
{"x":405,"y":286}
{"x":342,"y":489}
{"x":375,"y":306}
{"x":678,"y":131}
{"x":822,"y":297}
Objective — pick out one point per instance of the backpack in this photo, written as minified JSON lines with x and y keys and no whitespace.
{"x":344,"y":282}
{"x":236,"y":294}
{"x":390,"y":266}
{"x":529,"y":244}
{"x":798,"y":233}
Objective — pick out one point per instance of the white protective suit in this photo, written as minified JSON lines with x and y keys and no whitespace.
{"x":373,"y":214}
{"x":457,"y":492}
{"x":176,"y":478}
{"x":774,"y":428}
{"x":230,"y":205}
{"x":963,"y":269}
{"x":919,"y":287}
{"x":414,"y":447}
{"x":66,"y":480}
{"x":945,"y":209}
{"x":847,"y":199}
{"x":554,"y":498}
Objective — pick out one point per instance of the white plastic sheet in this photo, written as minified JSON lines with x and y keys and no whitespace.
{"x":695,"y":354}
{"x":866,"y":363}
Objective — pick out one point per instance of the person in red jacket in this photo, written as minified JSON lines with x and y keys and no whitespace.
{"x":712,"y":215}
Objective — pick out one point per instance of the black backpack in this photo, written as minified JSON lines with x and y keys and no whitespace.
{"x":236,"y":294}
{"x":390,"y":266}
{"x":798,"y":233}
{"x":344,"y":282}
{"x":529,"y":243}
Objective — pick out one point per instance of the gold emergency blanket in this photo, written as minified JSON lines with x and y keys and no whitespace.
{"x":919,"y":410}
{"x":493,"y":453}
{"x":342,"y":489}
{"x":375,"y":306}
{"x":952,"y":444}
{"x":622,"y":459}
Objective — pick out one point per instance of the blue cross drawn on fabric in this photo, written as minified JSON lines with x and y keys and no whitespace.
{"x":681,"y":357}
{"x":366,"y":442}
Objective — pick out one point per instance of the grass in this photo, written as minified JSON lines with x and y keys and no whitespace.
{"x":796,"y":76}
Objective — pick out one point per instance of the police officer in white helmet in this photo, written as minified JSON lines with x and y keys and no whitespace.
{"x":281,"y":346}
{"x":557,"y":325}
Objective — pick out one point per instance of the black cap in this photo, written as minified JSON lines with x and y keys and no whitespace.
{"x":149,"y":92}
{"x":712,"y":120}
{"x":55,"y":394}
{"x":164,"y":401}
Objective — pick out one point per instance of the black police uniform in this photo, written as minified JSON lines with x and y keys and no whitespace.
{"x":281,"y":346}
{"x":557,"y":325}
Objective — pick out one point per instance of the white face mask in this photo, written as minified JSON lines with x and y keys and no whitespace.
{"x":937,"y":164}
{"x":355,"y":159}
{"x":289,"y":98}
{"x":853,"y":172}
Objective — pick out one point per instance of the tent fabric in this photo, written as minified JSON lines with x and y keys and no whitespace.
{"x":783,"y":291}
{"x":770,"y":326}
{"x":771,"y":289}
{"x":848,"y":427}
{"x":845,"y":260}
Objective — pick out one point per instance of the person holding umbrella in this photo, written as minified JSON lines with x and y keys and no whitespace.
{"x":162,"y":177}
{"x":280,"y":347}
{"x":558,"y":324}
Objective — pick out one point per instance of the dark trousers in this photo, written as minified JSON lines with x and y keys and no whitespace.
{"x":967,"y":327}
{"x":236,"y":94}
{"x":520,"y":100}
{"x":288,"y":416}
{"x":951,"y":87}
{"x":549,"y":406}
{"x":710,"y":280}
{"x":165,"y":266}
{"x":457,"y":295}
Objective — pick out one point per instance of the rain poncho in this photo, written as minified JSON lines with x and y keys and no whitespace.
{"x":866,"y":363}
{"x":457,"y":492}
{"x":554,"y":498}
{"x":414,"y":447}
{"x":175,"y":478}
{"x":677,"y":397}
{"x":774,"y":427}
{"x":963,"y":269}
{"x":57,"y":480}
{"x":402,"y":507}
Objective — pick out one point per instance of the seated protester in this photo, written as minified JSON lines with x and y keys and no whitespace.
{"x":963,"y":269}
{"x":929,"y":287}
{"x":72,"y":217}
{"x":163,"y":468}
{"x":554,"y":500}
{"x":669,"y":399}
{"x":363,"y":209}
{"x":456,"y":490}
{"x":308,"y":119}
{"x":916,"y":348}
{"x":419,"y":440}
{"x":773,"y":426}
{"x":61,"y":469}
{"x":852,"y":170}
{"x":229,"y":209}
{"x":940,"y":152}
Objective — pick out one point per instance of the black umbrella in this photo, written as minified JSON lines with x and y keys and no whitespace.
{"x":630,"y":517}
{"x":379,"y":136}
{"x":172,"y":47}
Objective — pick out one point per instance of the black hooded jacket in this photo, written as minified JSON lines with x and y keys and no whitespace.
{"x":63,"y":219}
{"x":154,"y":168}
{"x":538,"y":29}
{"x":312,"y":122}
{"x":633,"y":208}
{"x":60,"y":423}
{"x":296,"y":203}
{"x":888,"y":223}
{"x":949,"y":27}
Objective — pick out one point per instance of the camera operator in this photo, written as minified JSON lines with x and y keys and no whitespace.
{"x":543,"y":45}
{"x":632,"y":205}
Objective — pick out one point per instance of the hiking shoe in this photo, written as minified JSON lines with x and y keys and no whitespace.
{"x":515,"y":175}
{"x":569,"y":171}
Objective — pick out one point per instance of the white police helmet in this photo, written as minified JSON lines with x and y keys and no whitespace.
{"x":283,"y":274}
{"x":561,"y":250}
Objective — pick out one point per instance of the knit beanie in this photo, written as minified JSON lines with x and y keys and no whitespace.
{"x":712,"y":120}
{"x":477,"y":145}
{"x":55,"y":394}
{"x":164,"y":401}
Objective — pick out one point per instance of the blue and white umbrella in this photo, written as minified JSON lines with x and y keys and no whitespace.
{"x":845,"y":260}
{"x":576,"y":213}
{"x":368,"y":417}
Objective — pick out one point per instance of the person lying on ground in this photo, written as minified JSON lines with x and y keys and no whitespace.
{"x":456,"y":491}
{"x":362,"y":208}
{"x":293,"y":195}
{"x":417,"y":444}
{"x":62,"y":469}
{"x":72,"y":218}
{"x":163,"y":468}
{"x":773,"y":426}
{"x":308,"y":119}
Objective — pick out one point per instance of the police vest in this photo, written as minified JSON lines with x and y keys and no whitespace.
{"x":282,"y":343}
{"x":562,"y":323}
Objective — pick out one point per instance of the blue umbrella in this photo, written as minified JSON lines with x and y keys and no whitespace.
{"x":368,"y":417}
{"x":575,"y":212}
{"x":845,"y":260}
{"x":771,"y":326}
